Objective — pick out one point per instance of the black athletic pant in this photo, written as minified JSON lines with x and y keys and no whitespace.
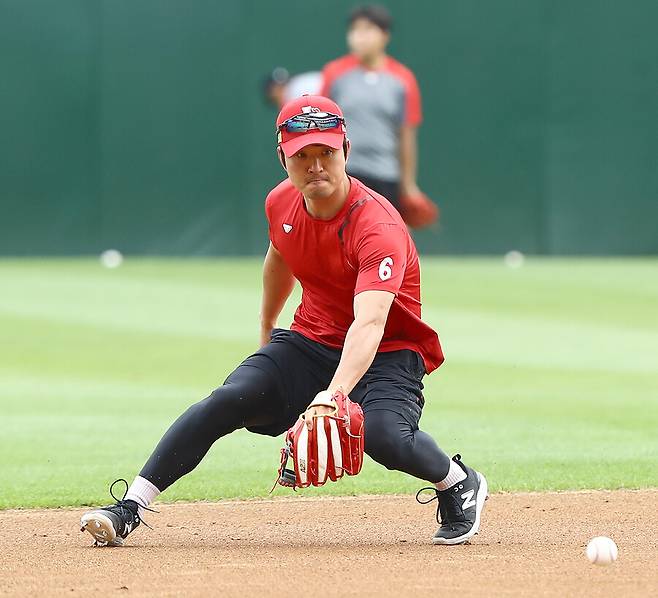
{"x":269,"y":390}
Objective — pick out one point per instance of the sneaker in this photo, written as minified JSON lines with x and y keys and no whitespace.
{"x":460,"y":507}
{"x":111,"y":525}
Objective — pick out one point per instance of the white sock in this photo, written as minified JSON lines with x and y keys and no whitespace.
{"x":455,"y":475}
{"x":142,"y":492}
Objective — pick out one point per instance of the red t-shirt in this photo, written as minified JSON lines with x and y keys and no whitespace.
{"x":366,"y":246}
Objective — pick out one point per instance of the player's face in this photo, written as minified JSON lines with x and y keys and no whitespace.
{"x":317,"y":170}
{"x":366,"y":40}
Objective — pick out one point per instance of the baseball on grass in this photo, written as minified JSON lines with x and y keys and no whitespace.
{"x":111,"y":258}
{"x":514,"y":259}
{"x":601,"y":551}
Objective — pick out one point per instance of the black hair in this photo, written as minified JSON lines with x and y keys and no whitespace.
{"x":375,"y":13}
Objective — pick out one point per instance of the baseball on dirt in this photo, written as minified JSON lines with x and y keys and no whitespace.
{"x":601,"y":551}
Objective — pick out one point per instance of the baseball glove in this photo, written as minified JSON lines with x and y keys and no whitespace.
{"x":418,"y":211}
{"x":333,"y":446}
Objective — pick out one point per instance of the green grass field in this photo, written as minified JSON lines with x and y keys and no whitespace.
{"x":550,"y":382}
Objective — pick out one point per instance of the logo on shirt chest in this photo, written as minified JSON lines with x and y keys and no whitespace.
{"x":287,"y":228}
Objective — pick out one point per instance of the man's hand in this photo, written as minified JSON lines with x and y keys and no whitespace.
{"x":318,"y":457}
{"x":320,"y":405}
{"x":418,"y":210}
{"x":410,"y":189}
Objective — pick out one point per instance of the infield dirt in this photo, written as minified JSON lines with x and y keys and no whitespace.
{"x":529,"y":545}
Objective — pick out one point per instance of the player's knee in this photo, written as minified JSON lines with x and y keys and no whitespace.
{"x":225,"y":407}
{"x":385,"y":442}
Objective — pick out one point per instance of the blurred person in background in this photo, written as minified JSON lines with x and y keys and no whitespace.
{"x":381,"y":101}
{"x":280,"y":86}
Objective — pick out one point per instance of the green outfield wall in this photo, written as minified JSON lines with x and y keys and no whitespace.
{"x":140,"y":124}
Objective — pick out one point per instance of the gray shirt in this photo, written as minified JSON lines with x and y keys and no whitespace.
{"x":375,"y":105}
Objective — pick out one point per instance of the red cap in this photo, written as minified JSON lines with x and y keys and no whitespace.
{"x":291,"y":143}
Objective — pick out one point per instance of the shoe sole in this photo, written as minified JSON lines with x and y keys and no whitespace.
{"x":100,"y":526}
{"x":482,"y":495}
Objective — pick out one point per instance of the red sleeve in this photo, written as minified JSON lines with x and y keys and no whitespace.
{"x":381,"y":257}
{"x":335,"y":69}
{"x":413,"y":112}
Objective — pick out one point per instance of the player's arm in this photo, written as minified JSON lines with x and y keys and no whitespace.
{"x":363,"y":337}
{"x":361,"y":343}
{"x":408,"y":160}
{"x":278,"y":283}
{"x":408,"y":151}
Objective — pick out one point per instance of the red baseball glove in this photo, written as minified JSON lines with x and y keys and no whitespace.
{"x":418,"y":210}
{"x":333,"y":446}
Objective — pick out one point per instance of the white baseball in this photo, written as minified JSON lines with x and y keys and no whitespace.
{"x":601,"y":551}
{"x":514,"y":259}
{"x":111,"y":258}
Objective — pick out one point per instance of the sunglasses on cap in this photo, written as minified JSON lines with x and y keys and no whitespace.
{"x":302,"y":123}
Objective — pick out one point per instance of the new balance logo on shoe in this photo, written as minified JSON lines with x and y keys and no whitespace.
{"x":459,"y":507}
{"x":468,"y":499}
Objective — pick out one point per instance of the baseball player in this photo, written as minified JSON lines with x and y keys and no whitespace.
{"x":280,"y":86}
{"x":382,"y":103}
{"x":357,"y":333}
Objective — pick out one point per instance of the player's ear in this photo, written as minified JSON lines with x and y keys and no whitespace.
{"x":282,"y":158}
{"x":346,"y":148}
